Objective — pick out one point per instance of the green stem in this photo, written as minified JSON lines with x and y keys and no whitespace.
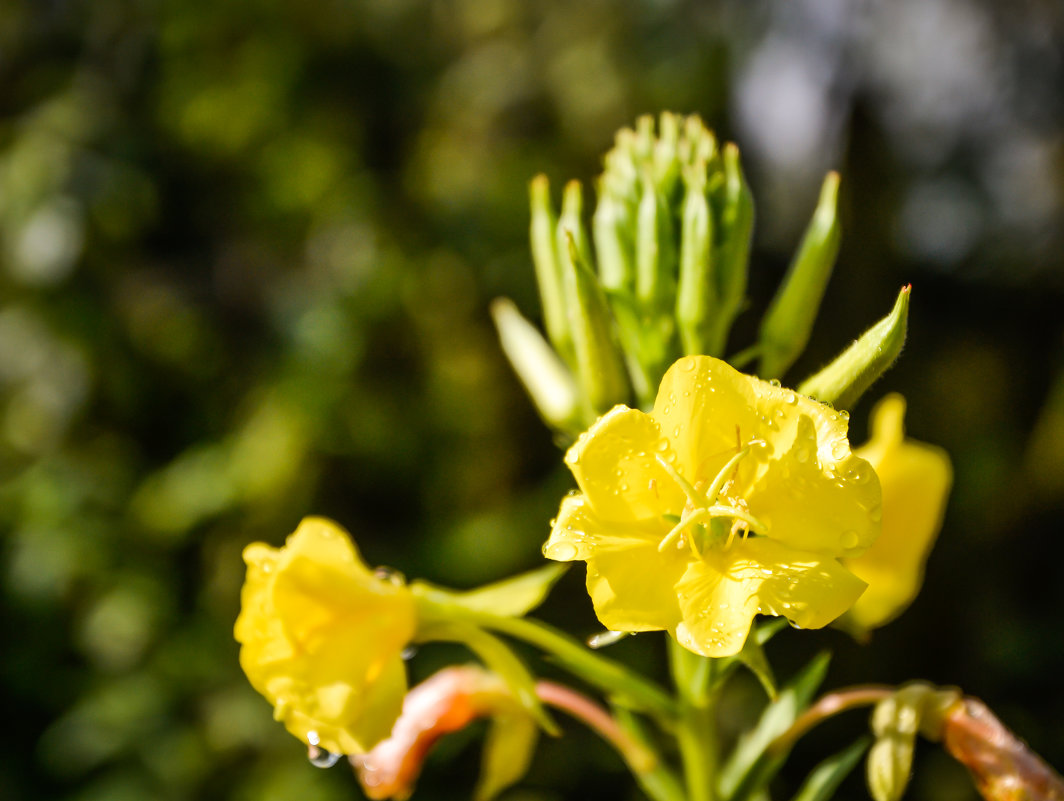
{"x":696,"y":730}
{"x":612,"y":677}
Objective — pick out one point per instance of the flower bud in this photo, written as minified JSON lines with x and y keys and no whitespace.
{"x":786,"y":327}
{"x":733,"y":257}
{"x":545,"y":377}
{"x":599,"y":364}
{"x":696,"y":297}
{"x":548,"y":267}
{"x":843,"y":381}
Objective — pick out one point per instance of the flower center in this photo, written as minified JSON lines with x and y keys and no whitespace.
{"x":714,"y":506}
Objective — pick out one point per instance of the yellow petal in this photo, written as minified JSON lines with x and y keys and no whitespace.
{"x":632,"y":589}
{"x":816,"y":501}
{"x":720,"y":595}
{"x":321,"y":638}
{"x":704,"y":406}
{"x":615,"y":464}
{"x":916,"y":479}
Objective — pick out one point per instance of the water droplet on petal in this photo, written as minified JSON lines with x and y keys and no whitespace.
{"x":802,"y":455}
{"x":850,"y":539}
{"x":876,"y":514}
{"x":390,"y":575}
{"x":790,"y":398}
{"x":688,"y":364}
{"x":320,"y":758}
{"x":845,"y":415}
{"x":775,"y":382}
{"x":604,"y":638}
{"x":560,"y":551}
{"x":408,"y":653}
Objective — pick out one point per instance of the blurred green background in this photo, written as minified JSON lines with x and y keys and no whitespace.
{"x":246,"y":254}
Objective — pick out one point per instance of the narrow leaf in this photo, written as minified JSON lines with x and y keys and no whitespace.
{"x":750,"y":766}
{"x":514,"y":596}
{"x":826,"y":777}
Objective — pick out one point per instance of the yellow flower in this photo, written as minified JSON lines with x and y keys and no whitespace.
{"x":916,"y":479}
{"x":321,"y":637}
{"x":733,"y":497}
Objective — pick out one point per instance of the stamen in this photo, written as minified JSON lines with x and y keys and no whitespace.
{"x":677,"y":530}
{"x":697,"y":499}
{"x":722,"y":476}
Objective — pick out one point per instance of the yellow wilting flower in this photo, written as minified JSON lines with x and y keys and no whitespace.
{"x":916,"y":479}
{"x":733,"y":497}
{"x":321,"y":637}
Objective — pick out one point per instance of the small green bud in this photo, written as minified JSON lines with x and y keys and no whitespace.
{"x":655,"y":252}
{"x":788,"y":323}
{"x":548,"y":267}
{"x":696,"y":297}
{"x":546,"y":379}
{"x":571,"y":222}
{"x":733,"y":257}
{"x":599,"y":363}
{"x":853,"y":371}
{"x":613,"y":243}
{"x":916,"y":708}
{"x":895,"y":723}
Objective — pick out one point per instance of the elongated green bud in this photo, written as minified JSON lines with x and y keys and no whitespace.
{"x":613,"y":244}
{"x":571,"y":222}
{"x":696,"y":296}
{"x":854,"y":370}
{"x":786,"y":327}
{"x":548,"y":267}
{"x":545,"y":377}
{"x":733,"y":258}
{"x":599,"y":362}
{"x":655,"y":252}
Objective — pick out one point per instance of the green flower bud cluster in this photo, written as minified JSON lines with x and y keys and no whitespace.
{"x":662,"y":273}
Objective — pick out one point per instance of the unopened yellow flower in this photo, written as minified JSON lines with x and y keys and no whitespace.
{"x":916,"y":479}
{"x":321,"y":637}
{"x":733,"y":497}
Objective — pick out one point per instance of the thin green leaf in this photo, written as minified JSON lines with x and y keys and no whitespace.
{"x":826,"y":777}
{"x":750,"y":766}
{"x":515,"y":596}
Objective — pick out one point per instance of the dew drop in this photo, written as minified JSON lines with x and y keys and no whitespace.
{"x":839,"y":449}
{"x":802,"y":455}
{"x":859,"y":474}
{"x":560,"y":551}
{"x":792,"y":624}
{"x":845,"y":415}
{"x":605,"y":638}
{"x":850,"y":539}
{"x":790,"y":398}
{"x":408,"y":653}
{"x":320,"y":758}
{"x":676,"y":431}
{"x":390,"y":575}
{"x":688,"y":365}
{"x":775,"y":382}
{"x":876,"y":514}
